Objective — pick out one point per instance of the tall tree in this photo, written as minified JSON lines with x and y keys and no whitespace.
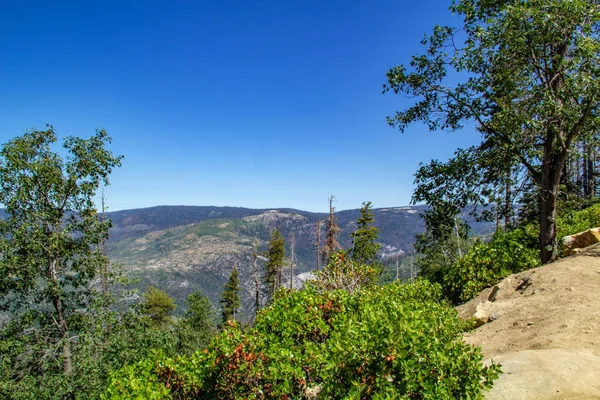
{"x":158,"y":305}
{"x":275,"y":262}
{"x":332,"y":229}
{"x":197,"y":327}
{"x":531,"y":85}
{"x":364,"y":238}
{"x":256,"y":275}
{"x":50,"y":243}
{"x":292,"y":260}
{"x":318,"y":254}
{"x":230,"y":299}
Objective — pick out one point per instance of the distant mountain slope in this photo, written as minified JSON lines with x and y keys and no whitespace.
{"x":184,"y":248}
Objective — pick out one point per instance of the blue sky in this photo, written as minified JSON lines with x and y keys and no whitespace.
{"x":247,"y":103}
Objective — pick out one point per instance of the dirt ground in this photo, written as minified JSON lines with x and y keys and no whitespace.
{"x":544,"y":330}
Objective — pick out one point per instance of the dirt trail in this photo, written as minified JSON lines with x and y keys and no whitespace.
{"x":546,"y":333}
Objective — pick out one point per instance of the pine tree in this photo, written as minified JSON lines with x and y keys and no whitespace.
{"x":275,"y":262}
{"x":292,"y":261}
{"x":256,"y":277}
{"x":364,"y":245}
{"x":230,"y":299}
{"x":318,"y":243}
{"x":331,"y":245}
{"x":158,"y":305}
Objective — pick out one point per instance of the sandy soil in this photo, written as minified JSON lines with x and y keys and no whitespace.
{"x":545,"y":330}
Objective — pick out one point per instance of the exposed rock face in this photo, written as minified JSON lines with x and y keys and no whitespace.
{"x":580,"y":240}
{"x":544,"y":328}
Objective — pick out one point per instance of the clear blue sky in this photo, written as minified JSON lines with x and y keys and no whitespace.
{"x":241,"y":103}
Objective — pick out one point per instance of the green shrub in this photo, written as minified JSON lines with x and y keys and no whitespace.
{"x":571,"y":221}
{"x":393,"y":341}
{"x":487,"y":263}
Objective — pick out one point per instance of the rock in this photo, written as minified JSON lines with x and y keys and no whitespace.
{"x":482,"y":313}
{"x":547,"y":374}
{"x":580,"y":240}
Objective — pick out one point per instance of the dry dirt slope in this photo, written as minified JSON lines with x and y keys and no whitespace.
{"x":546,"y":333}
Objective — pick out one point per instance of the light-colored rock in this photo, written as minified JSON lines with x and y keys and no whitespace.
{"x":548,"y":343}
{"x":580,"y":240}
{"x":482,"y":313}
{"x":547,"y":374}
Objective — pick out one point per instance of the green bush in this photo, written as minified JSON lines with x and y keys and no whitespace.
{"x":393,"y":341}
{"x":487,"y":263}
{"x":572,"y":221}
{"x":30,"y":364}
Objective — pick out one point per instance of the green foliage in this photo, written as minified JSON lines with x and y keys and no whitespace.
{"x":50,"y":239}
{"x":574,"y":221}
{"x":364,"y":240}
{"x":487,"y":263}
{"x":369,"y":344}
{"x":103,"y":341}
{"x":157,"y":305}
{"x":343,"y":273}
{"x":529,"y":82}
{"x":197,"y":327}
{"x":230,"y":299}
{"x":275,"y":262}
{"x":441,"y":245}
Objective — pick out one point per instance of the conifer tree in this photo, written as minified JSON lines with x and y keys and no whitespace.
{"x":230,"y":299}
{"x":331,"y":245}
{"x":318,"y":243}
{"x":275,"y":262}
{"x":292,"y":261}
{"x":256,"y":277}
{"x":158,"y":305}
{"x":364,"y":245}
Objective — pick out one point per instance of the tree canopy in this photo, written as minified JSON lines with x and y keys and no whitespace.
{"x":49,"y":242}
{"x":526,"y":74}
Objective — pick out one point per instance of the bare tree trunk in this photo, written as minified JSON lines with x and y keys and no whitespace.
{"x":318,"y":244}
{"x":292,"y":261}
{"x":460,"y":254}
{"x":256,"y":278}
{"x":331,"y":243}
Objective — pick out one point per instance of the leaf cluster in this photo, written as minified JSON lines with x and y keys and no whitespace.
{"x":333,"y":344}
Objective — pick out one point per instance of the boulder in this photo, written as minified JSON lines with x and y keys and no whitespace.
{"x":580,"y":240}
{"x":482,"y":313}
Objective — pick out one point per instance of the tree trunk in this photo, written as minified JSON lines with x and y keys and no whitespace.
{"x":589,"y":176}
{"x":64,"y":335}
{"x":552,"y":166}
{"x":318,"y":244}
{"x":60,"y":320}
{"x":508,"y":212}
{"x":256,"y":278}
